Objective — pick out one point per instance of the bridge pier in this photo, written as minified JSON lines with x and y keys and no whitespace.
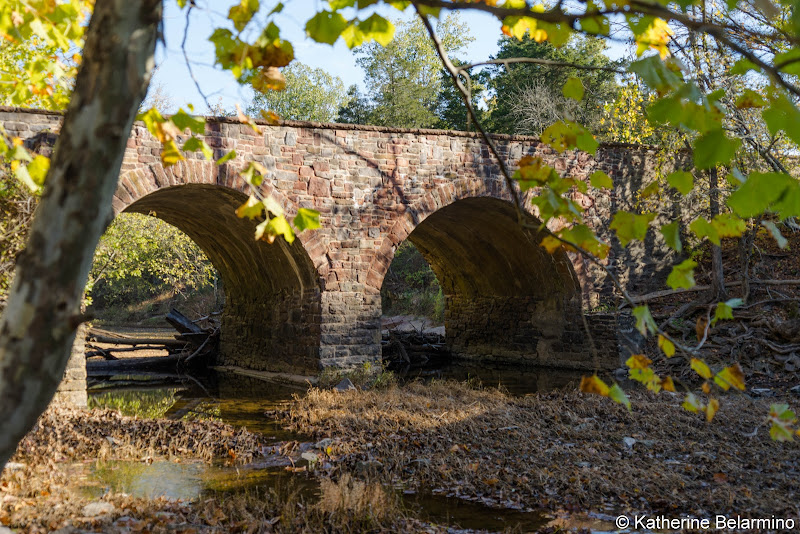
{"x":351,"y":329}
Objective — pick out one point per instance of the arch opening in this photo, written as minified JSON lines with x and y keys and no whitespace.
{"x":507,"y":300}
{"x":271,"y":318}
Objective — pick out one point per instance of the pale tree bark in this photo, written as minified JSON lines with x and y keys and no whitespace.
{"x":43,"y":312}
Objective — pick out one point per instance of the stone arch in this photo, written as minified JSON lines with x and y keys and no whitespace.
{"x":271,"y":320}
{"x":506,"y":297}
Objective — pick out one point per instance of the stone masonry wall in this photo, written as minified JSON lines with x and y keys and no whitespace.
{"x":372,"y":186}
{"x":73,"y":387}
{"x":514,"y":330}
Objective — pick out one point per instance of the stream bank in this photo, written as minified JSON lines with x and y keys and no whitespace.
{"x":425,"y":456}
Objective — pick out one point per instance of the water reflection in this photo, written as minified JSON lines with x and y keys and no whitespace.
{"x":245,"y":402}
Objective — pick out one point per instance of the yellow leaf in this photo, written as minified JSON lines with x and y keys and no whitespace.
{"x":730,"y":376}
{"x":706,"y":387}
{"x":656,"y":36}
{"x":638,"y":361}
{"x":593,"y":384}
{"x":701,"y":368}
{"x":551,"y":244}
{"x":268,"y":79}
{"x":270,"y":116}
{"x":711,"y":409}
{"x":250,"y":209}
{"x":170,"y":154}
{"x":692,"y":404}
{"x":668,"y":385}
{"x":666,"y":346}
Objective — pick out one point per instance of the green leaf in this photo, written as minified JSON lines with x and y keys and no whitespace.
{"x":601,"y":180}
{"x":782,"y":419}
{"x":682,"y":275}
{"x":723,"y":311}
{"x":783,"y":115}
{"x":195,"y":143}
{"x":183,"y":120}
{"x":750,"y":99}
{"x":573,"y":88}
{"x":630,"y":226}
{"x":241,"y":14}
{"x":644,"y":321}
{"x":702,"y":228}
{"x":582,"y":236}
{"x":728,"y":225}
{"x":227,"y":157}
{"x":617,"y":395}
{"x":760,"y":191}
{"x":682,"y":181}
{"x":776,"y":233}
{"x":326,"y":27}
{"x":788,"y":61}
{"x":596,"y":25}
{"x":714,"y":148}
{"x":306,"y":219}
{"x":586,"y":141}
{"x":377,"y":28}
{"x":672,"y":235}
{"x":743,"y":66}
{"x":253,"y":173}
{"x":560,"y":136}
{"x":18,"y":153}
{"x":656,"y":74}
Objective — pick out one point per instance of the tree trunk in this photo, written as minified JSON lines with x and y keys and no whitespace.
{"x":717,"y":271}
{"x":38,"y":326}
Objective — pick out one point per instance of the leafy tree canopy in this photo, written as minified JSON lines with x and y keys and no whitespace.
{"x":403,"y":78}
{"x":527,"y":94}
{"x":311,"y":94}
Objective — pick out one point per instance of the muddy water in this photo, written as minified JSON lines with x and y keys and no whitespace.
{"x":243,"y":401}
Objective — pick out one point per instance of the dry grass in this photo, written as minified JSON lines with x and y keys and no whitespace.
{"x":559,"y":450}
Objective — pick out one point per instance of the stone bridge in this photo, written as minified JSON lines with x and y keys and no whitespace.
{"x":317,"y":302}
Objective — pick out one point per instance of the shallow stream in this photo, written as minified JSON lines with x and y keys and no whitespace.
{"x":243,"y":402}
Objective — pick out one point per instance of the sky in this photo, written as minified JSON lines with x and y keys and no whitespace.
{"x":220,"y":87}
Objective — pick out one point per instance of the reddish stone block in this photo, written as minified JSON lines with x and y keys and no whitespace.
{"x":318,"y":187}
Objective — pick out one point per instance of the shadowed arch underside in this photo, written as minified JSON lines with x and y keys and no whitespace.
{"x":507,"y":299}
{"x":271,"y":319}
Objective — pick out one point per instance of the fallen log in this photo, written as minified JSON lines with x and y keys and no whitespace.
{"x":113,"y":340}
{"x":183,"y":324}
